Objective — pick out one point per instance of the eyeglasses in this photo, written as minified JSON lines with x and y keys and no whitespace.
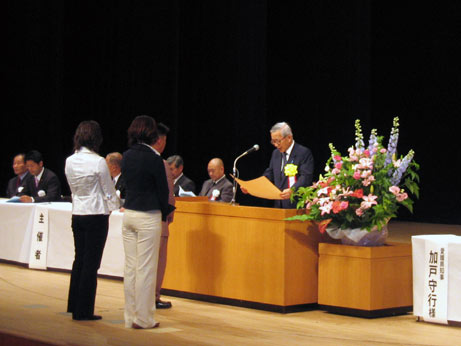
{"x":277,"y":141}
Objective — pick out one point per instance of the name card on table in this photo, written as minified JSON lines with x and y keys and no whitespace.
{"x":436,"y":279}
{"x":39,"y":241}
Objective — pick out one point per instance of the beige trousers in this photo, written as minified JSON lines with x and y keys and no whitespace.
{"x":141,"y":239}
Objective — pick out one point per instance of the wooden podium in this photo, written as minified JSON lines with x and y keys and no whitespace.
{"x":365,"y":281}
{"x":244,"y":256}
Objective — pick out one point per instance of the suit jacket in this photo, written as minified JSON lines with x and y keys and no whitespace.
{"x":49,"y":183}
{"x":224,"y":186}
{"x":17,"y":188}
{"x":185,"y":183}
{"x":301,"y":157}
{"x":120,"y":186}
{"x":145,"y":180}
{"x":171,"y":201}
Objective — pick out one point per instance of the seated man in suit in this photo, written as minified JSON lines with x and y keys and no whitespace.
{"x":288,"y":152}
{"x":17,"y":184}
{"x":176,"y":164}
{"x":114,"y":163}
{"x":218,"y":188}
{"x":44,"y":185}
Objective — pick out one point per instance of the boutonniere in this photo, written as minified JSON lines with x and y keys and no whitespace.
{"x":215,"y":194}
{"x":291,"y":170}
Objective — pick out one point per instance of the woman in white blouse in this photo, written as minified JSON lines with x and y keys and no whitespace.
{"x":93,"y":199}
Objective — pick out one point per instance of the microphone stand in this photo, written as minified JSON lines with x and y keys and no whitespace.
{"x":235,"y":174}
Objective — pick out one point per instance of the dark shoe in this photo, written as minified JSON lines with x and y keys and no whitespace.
{"x":87,"y":318}
{"x":162,"y":305}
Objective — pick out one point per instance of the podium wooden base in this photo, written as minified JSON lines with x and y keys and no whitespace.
{"x":365,"y":281}
{"x":243,"y":256}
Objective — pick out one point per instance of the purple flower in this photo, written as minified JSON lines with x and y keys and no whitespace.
{"x":392,"y":146}
{"x":397,"y":176}
{"x":373,"y":139}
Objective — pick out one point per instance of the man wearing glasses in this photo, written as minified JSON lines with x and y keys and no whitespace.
{"x":299,"y":159}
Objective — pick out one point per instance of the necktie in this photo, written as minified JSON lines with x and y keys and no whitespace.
{"x":36,"y":182}
{"x":284,"y":160}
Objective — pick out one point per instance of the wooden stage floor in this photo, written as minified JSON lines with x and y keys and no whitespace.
{"x":33,"y":303}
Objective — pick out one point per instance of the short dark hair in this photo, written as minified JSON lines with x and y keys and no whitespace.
{"x":88,"y":134}
{"x":34,"y":155}
{"x":162,"y":129}
{"x":23,"y":155}
{"x":176,"y":160}
{"x":143,"y":129}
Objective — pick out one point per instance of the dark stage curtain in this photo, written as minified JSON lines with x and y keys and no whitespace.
{"x":221,"y":73}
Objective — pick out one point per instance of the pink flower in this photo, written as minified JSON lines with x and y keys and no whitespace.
{"x":395,"y":190}
{"x":323,"y":191}
{"x":335,"y":171}
{"x":368,"y":201}
{"x":339,"y":206}
{"x":402,"y":196}
{"x":368,"y":180}
{"x":344,"y":205}
{"x":365,"y":174}
{"x":366,"y":152}
{"x":339,"y":165}
{"x":383,"y":150}
{"x":337,"y":158}
{"x":356,"y":175}
{"x":359,"y":211}
{"x":326,"y":208}
{"x":365,"y":163}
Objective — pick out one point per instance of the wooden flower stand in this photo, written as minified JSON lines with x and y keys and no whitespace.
{"x":365,"y":281}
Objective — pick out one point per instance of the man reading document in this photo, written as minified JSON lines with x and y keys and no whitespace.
{"x":291,"y":165}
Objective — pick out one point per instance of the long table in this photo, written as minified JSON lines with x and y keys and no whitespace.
{"x":237,"y":255}
{"x":16,"y":220}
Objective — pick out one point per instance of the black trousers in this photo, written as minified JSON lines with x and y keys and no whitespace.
{"x":90,"y":234}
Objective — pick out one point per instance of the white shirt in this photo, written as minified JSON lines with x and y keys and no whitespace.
{"x":39,"y":176}
{"x":93,"y":191}
{"x":116,"y":178}
{"x":174,"y":182}
{"x":287,"y":154}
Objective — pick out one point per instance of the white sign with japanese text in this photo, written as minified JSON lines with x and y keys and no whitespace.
{"x":39,"y":241}
{"x":436,"y":285}
{"x":437,"y":277}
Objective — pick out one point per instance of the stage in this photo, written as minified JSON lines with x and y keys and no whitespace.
{"x":33,"y":304}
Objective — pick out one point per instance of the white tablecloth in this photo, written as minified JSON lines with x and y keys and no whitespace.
{"x":16,"y":220}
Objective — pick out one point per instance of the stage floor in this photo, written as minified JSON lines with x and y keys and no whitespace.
{"x":33,"y":307}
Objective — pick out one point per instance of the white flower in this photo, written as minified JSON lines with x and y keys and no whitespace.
{"x":41,"y":193}
{"x":215,"y":193}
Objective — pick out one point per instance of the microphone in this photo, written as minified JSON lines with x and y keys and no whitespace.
{"x":253,"y":148}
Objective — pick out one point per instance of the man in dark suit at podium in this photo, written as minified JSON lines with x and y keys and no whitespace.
{"x":218,"y":188}
{"x":44,"y":185}
{"x":17,"y":184}
{"x":176,"y":164}
{"x":288,"y":152}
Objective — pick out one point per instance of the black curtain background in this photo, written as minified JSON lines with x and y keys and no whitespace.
{"x":221,"y":73}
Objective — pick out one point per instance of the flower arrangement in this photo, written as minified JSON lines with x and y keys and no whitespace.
{"x":364,"y":189}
